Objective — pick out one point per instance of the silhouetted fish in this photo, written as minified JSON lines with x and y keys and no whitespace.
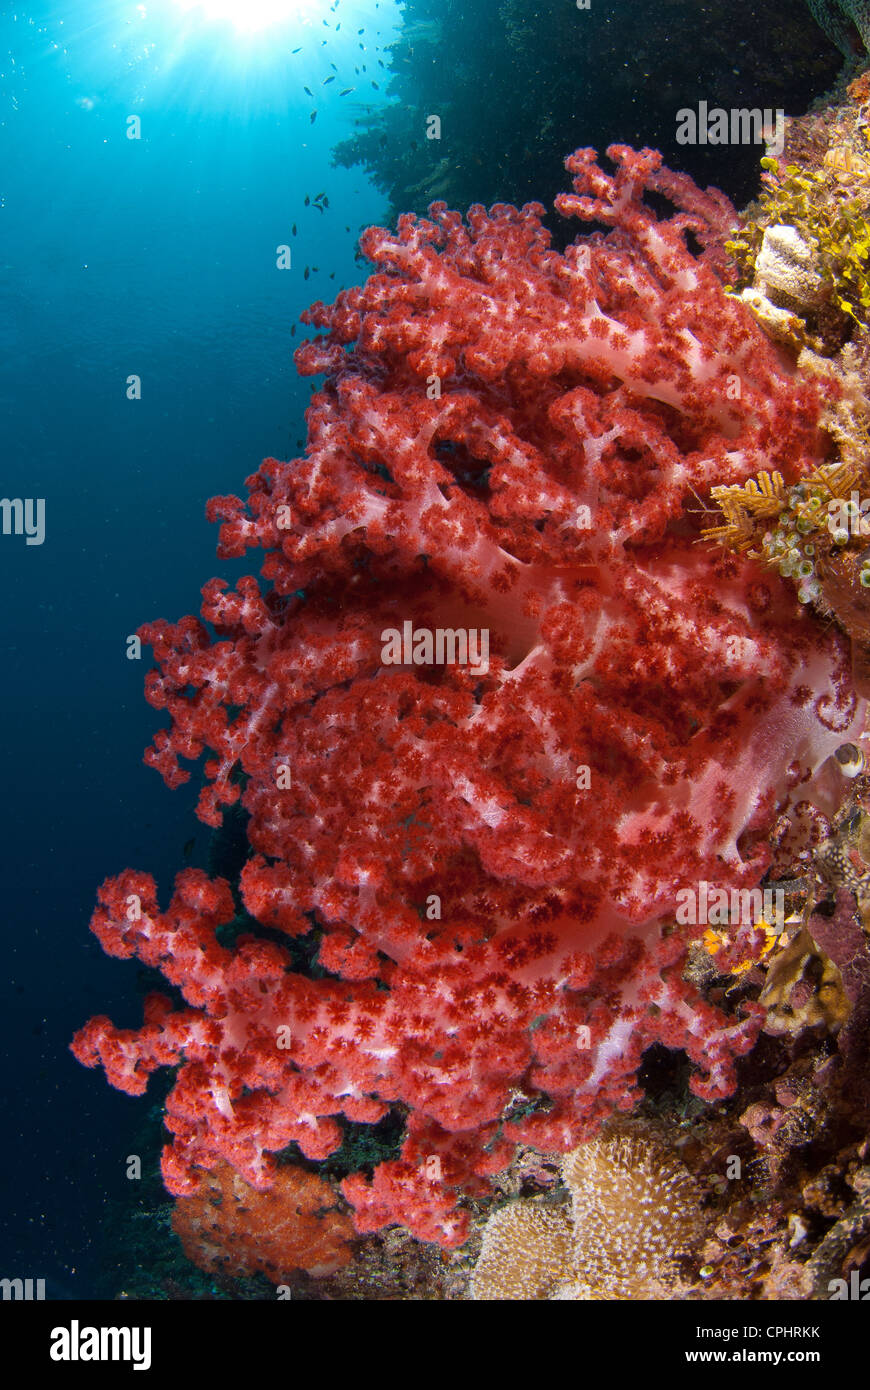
{"x":347,"y":91}
{"x":313,"y":117}
{"x":326,"y":81}
{"x":306,"y":273}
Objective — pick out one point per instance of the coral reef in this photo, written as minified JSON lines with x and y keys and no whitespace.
{"x":840,"y":935}
{"x":526,"y":1253}
{"x":804,"y":247}
{"x":229,"y":1228}
{"x":635,"y":1211}
{"x":809,"y":230}
{"x":803,"y":988}
{"x":844,"y":22}
{"x":487,"y":854}
{"x":814,"y":533}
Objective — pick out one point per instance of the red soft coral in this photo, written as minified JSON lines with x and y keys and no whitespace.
{"x":510,"y":439}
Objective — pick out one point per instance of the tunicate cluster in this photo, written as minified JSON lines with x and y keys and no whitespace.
{"x":807,"y":527}
{"x":792,"y":546}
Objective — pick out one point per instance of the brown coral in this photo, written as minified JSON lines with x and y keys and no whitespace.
{"x":526,"y":1253}
{"x":804,"y":989}
{"x":635,"y":1210}
{"x":228,"y":1227}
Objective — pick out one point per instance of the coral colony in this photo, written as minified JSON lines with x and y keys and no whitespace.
{"x":635,"y":1210}
{"x":512,"y":440}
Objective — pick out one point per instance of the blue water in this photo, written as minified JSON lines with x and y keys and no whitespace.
{"x":154,"y":257}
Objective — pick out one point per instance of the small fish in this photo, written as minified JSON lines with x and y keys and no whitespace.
{"x":360,"y":31}
{"x":293,"y":331}
{"x":313,"y":117}
{"x":320,"y":196}
{"x":326,"y":81}
{"x":306,"y":273}
{"x":332,"y":275}
{"x":308,"y":90}
{"x":293,"y":232}
{"x":296,"y":50}
{"x":334,"y":68}
{"x":188,"y":848}
{"x":376,"y":87}
{"x":382,"y":63}
{"x":307,"y":200}
{"x":347,"y":91}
